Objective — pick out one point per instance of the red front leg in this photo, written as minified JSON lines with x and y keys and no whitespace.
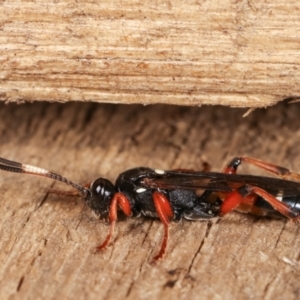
{"x":64,"y":193}
{"x":120,"y":200}
{"x":68,"y":193}
{"x":165,"y":213}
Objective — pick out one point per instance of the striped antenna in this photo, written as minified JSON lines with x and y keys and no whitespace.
{"x":13,"y":166}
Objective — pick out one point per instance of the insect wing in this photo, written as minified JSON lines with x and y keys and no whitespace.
{"x":221,"y":182}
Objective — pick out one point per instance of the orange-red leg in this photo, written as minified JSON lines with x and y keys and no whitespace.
{"x":231,"y":167}
{"x":68,"y":193}
{"x":248,"y":195}
{"x":234,"y":199}
{"x":281,"y":207}
{"x":165,"y":213}
{"x":65,"y":193}
{"x":120,"y":200}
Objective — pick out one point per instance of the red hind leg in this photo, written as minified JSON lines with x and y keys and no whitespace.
{"x":281,"y":207}
{"x":234,"y":199}
{"x":248,"y":194}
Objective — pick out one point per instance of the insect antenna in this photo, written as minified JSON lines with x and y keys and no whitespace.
{"x":13,"y":166}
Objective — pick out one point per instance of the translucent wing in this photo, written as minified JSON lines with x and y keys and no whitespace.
{"x":220,"y":182}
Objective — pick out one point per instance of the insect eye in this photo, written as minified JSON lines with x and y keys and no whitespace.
{"x":102,"y":191}
{"x":102,"y":188}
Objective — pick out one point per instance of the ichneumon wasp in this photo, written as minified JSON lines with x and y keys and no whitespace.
{"x":174,"y":195}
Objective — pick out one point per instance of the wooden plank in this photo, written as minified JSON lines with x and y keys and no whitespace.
{"x":47,"y":240}
{"x":242,"y":54}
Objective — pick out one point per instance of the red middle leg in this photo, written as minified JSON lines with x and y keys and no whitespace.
{"x":165,"y":213}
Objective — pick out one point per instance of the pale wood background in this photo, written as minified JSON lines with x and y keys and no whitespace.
{"x":236,"y":53}
{"x":47,"y":241}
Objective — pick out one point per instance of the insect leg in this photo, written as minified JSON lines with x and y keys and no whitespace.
{"x":68,"y":193}
{"x":64,"y":193}
{"x":281,"y":207}
{"x":165,"y":213}
{"x":231,"y":167}
{"x":236,"y":198}
{"x":248,"y":194}
{"x":120,"y":200}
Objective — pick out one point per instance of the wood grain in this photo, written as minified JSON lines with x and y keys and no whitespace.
{"x":240,"y":53}
{"x":47,"y":240}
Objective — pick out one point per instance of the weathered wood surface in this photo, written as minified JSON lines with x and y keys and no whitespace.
{"x":47,"y":241}
{"x":238,"y":53}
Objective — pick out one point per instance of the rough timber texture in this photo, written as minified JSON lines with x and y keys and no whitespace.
{"x":236,"y":53}
{"x":47,"y":240}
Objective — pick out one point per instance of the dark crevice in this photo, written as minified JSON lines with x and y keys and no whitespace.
{"x":278,"y":238}
{"x":291,"y":99}
{"x":89,"y":115}
{"x":44,"y":198}
{"x":208,"y":228}
{"x":218,"y":220}
{"x":170,"y":284}
{"x":20,"y":283}
{"x":134,"y":136}
{"x":81,"y":215}
{"x":267,"y":287}
{"x":34,"y":259}
{"x":147,"y":233}
{"x":27,"y":219}
{"x":129,"y":289}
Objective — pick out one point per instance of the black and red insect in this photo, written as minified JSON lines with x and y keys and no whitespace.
{"x":175,"y":194}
